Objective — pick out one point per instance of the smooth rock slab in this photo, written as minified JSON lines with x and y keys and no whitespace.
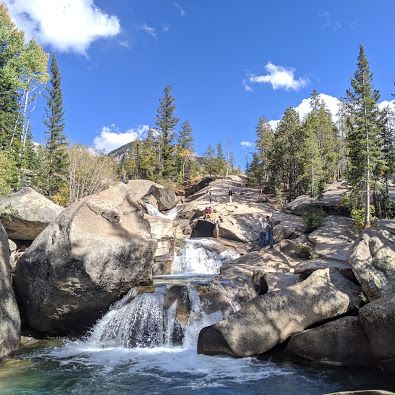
{"x":270,"y":319}
{"x":10,"y":323}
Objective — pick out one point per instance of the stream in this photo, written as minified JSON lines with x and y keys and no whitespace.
{"x":143,"y":345}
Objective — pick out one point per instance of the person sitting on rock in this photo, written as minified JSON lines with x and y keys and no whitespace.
{"x":207,"y":213}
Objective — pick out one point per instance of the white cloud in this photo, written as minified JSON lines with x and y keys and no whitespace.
{"x":110,"y":138}
{"x":182,"y":12}
{"x":279,"y":77}
{"x":246,"y":144}
{"x":387,"y":103}
{"x":332,"y":104}
{"x":246,"y":87}
{"x":66,"y":25}
{"x":274,"y":123}
{"x":151,"y":31}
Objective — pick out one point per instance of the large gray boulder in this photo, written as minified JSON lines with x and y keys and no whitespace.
{"x":30,"y":213}
{"x":378,"y":321}
{"x":10,"y":323}
{"x":334,"y":239}
{"x":342,"y":341}
{"x":330,"y":201}
{"x":270,"y":319}
{"x":165,"y":198}
{"x":373,"y":262}
{"x":95,"y":251}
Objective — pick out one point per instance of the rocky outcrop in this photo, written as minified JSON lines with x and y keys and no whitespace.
{"x":29,"y":214}
{"x":342,"y":341}
{"x":331,"y":201}
{"x":373,"y":262}
{"x":378,"y":321}
{"x":165,"y":198}
{"x":270,"y":319}
{"x":95,"y":251}
{"x":305,"y":269}
{"x":10,"y":324}
{"x":334,"y":239}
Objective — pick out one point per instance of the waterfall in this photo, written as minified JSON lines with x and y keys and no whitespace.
{"x":196,"y":256}
{"x":143,"y":322}
{"x":171,"y":214}
{"x":134,"y":323}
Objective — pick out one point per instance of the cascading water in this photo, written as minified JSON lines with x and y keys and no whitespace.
{"x":137,"y":323}
{"x":171,"y":214}
{"x":197,"y":256}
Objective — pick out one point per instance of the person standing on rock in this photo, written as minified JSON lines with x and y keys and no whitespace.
{"x":269,"y":232}
{"x":263,"y":234}
{"x":210,"y":196}
{"x":230,"y":193}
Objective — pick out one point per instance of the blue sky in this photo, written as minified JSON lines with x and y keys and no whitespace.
{"x":229,"y":62}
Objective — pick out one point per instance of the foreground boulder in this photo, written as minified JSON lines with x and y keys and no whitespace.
{"x":378,"y":321}
{"x":29,"y":213}
{"x":270,"y":319}
{"x":95,"y":251}
{"x":342,"y":341}
{"x":373,"y":262}
{"x":10,"y":324}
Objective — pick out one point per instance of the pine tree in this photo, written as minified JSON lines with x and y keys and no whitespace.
{"x":364,"y":124}
{"x":184,"y":150}
{"x":220,"y":160}
{"x":286,"y":164}
{"x":320,"y":159}
{"x":56,"y":142}
{"x":210,"y":162}
{"x":166,"y":123}
{"x":259,"y":167}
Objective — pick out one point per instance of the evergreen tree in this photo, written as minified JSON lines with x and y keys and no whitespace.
{"x":364,"y":125}
{"x":185,"y":150}
{"x":210,"y":162}
{"x":220,"y":160}
{"x":259,"y":167}
{"x":388,"y":169}
{"x":320,"y":159}
{"x":286,"y":165}
{"x":56,"y":172}
{"x":166,"y":123}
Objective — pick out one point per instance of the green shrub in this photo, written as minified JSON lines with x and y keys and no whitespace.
{"x":6,"y":213}
{"x":358,"y":215}
{"x":304,"y":251}
{"x":313,"y":218}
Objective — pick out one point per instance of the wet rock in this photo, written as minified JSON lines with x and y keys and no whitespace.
{"x":29,"y":213}
{"x":373,"y":262}
{"x":342,"y":341}
{"x":270,"y":319}
{"x":10,"y":324}
{"x":95,"y":251}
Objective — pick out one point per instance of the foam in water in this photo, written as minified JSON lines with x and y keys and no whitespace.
{"x":197,"y":257}
{"x":138,"y":323}
{"x":171,"y":214}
